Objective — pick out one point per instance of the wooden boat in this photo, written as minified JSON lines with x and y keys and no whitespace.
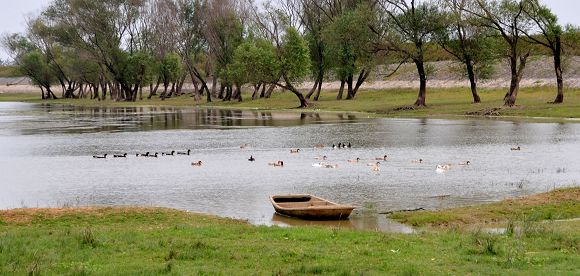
{"x":309,"y":207}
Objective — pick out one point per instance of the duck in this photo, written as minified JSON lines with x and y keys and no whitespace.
{"x":417,"y":161}
{"x":188,"y":152}
{"x":353,"y":160}
{"x":154,"y":155}
{"x":442,"y":168}
{"x":100,"y":156}
{"x":243,"y":146}
{"x":376,"y":167}
{"x":124,"y":155}
{"x":330,"y":166}
{"x":196,"y":163}
{"x":169,"y":154}
{"x":294,"y":150}
{"x":340,"y":145}
{"x":349,"y":145}
{"x":277,"y":163}
{"x":333,"y":146}
{"x":318,"y":165}
{"x":465,"y":163}
{"x":320,"y":157}
{"x":142,"y":154}
{"x":517,"y":148}
{"x":251,"y":159}
{"x":384,"y":158}
{"x":374,"y":164}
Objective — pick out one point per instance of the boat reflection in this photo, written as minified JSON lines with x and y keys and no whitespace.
{"x":357,"y":221}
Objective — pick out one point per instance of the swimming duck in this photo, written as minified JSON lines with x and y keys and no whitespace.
{"x":142,"y":154}
{"x":124,"y":155}
{"x":340,"y":145}
{"x":417,"y":161}
{"x":376,"y":167}
{"x":333,"y":146}
{"x":243,"y":146}
{"x":294,"y":150}
{"x":442,"y":168}
{"x":466,"y":163}
{"x":353,"y":160}
{"x":100,"y":156}
{"x":384,"y":158}
{"x":188,"y":152}
{"x":196,"y":164}
{"x":169,"y":154}
{"x":349,"y":145}
{"x":252,"y":159}
{"x":518,"y":148}
{"x":330,"y":166}
{"x":374,"y":164}
{"x":154,"y":155}
{"x":318,"y":165}
{"x":320,"y":157}
{"x":277,"y":163}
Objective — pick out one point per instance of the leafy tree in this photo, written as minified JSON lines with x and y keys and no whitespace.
{"x":348,"y":39}
{"x":467,"y":42}
{"x":34,"y":65}
{"x":548,"y":33}
{"x":294,"y":59}
{"x":405,"y":31}
{"x":506,"y":18}
{"x":169,"y":72}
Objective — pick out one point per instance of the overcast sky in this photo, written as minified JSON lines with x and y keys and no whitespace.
{"x":13,"y":13}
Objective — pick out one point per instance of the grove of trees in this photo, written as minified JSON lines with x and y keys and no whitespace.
{"x":119,"y":48}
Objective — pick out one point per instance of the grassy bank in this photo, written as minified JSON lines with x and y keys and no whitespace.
{"x":555,"y":205}
{"x":532,"y":102}
{"x":106,"y":241}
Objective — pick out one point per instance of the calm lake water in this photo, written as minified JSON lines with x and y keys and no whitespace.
{"x":46,"y":160}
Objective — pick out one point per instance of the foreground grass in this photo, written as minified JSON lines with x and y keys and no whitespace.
{"x":532,"y":102}
{"x":107,"y":241}
{"x":554,"y":205}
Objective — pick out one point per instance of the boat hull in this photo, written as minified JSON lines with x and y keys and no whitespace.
{"x":310,"y":207}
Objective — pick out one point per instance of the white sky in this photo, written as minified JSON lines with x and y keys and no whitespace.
{"x":13,"y":14}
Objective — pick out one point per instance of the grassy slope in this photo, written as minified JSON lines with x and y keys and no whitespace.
{"x":109,"y":241}
{"x":532,"y":102}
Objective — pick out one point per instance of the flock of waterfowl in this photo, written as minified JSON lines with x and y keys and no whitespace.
{"x":375,"y":164}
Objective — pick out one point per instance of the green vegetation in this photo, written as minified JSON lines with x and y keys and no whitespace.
{"x":387,"y":103}
{"x":105,"y":241}
{"x":9,"y":72}
{"x":558,"y":204}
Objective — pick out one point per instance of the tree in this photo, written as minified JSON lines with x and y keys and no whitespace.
{"x":34,"y":65}
{"x":169,"y":71}
{"x":405,"y":30}
{"x":294,"y":59}
{"x":507,"y":18}
{"x":548,"y":33}
{"x":255,"y":62}
{"x":348,"y":39}
{"x":467,"y":42}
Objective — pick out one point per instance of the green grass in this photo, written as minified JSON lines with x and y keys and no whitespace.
{"x":554,"y":205}
{"x":532,"y":102}
{"x":131,"y":241}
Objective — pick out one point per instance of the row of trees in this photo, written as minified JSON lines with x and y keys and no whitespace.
{"x":119,"y":47}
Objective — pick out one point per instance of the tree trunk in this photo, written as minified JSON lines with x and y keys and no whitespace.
{"x":422,"y":83}
{"x":270,"y":91}
{"x":312,"y":89}
{"x":222,"y":90}
{"x":472,"y":81}
{"x":213,"y":85}
{"x":558,"y":68}
{"x":42,"y":92}
{"x":263,"y":93}
{"x":517,"y":72}
{"x":364,"y":74}
{"x":256,"y":90}
{"x":341,"y":90}
{"x":320,"y":79}
{"x":299,"y":95}
{"x":349,"y":95}
{"x":238,"y":92}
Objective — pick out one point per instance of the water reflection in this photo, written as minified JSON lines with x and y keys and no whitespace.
{"x":46,"y":160}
